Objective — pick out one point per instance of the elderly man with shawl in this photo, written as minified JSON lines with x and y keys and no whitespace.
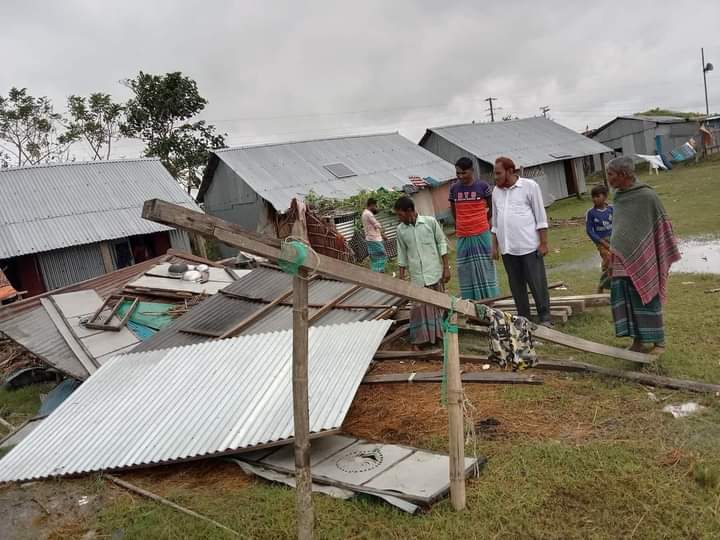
{"x":643,"y":247}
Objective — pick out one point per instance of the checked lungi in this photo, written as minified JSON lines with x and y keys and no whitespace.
{"x":426,"y":320}
{"x":643,"y":322}
{"x":378,"y":257}
{"x":476,"y":268}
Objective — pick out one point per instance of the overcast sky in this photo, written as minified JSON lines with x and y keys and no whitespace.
{"x":278,"y":70}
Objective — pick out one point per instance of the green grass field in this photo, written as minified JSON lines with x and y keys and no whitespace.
{"x":579,"y":457}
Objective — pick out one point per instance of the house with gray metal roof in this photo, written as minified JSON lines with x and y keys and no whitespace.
{"x":643,"y":134}
{"x":546,"y":151}
{"x":64,"y":223}
{"x":250,"y":185}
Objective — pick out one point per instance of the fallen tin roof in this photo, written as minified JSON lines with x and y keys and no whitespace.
{"x":250,"y":294}
{"x":179,"y":404}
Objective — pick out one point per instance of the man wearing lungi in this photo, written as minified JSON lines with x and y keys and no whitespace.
{"x":642,"y":248}
{"x":374,"y":237}
{"x":471,"y":205}
{"x":422,"y":252}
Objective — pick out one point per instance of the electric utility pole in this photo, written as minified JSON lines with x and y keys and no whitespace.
{"x":545,"y":109}
{"x":491,"y":109}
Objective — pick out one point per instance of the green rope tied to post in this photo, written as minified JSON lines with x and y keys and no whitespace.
{"x":293,"y":254}
{"x":448,"y":328}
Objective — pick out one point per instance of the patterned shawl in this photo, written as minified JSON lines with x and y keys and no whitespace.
{"x":643,"y":240}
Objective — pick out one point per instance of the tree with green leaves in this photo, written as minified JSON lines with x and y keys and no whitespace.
{"x":160,"y":114}
{"x":30,"y":130}
{"x":95,"y":119}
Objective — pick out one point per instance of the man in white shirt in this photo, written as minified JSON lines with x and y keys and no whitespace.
{"x":519,"y":229}
{"x":374,"y":236}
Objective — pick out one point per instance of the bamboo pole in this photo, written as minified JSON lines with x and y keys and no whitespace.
{"x":455,"y":421}
{"x":301,"y":412}
{"x":162,"y":500}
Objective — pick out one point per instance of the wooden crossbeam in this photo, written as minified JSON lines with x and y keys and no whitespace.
{"x":332,"y":303}
{"x":247,"y":321}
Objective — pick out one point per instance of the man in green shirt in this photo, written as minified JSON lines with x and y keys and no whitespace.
{"x":422,"y":252}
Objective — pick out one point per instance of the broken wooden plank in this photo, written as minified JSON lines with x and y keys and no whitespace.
{"x":177,"y":216}
{"x":489,"y":377}
{"x":332,"y":303}
{"x":427,"y":355}
{"x":635,"y":376}
{"x":400,"y":331}
{"x":247,"y":321}
{"x":599,"y":299}
{"x":573,"y":342}
{"x":577,"y":306}
{"x":556,"y":316}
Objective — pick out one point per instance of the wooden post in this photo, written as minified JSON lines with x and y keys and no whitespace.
{"x":604,"y":170}
{"x":301,"y":412}
{"x":455,"y":421}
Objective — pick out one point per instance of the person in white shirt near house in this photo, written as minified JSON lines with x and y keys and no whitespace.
{"x":519,"y":229}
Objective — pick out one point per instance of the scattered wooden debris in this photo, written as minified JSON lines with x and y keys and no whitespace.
{"x":710,"y":291}
{"x":397,"y":333}
{"x":490,"y":377}
{"x":591,"y":300}
{"x":573,"y":342}
{"x":106,"y":322}
{"x":636,"y":376}
{"x":162,"y":500}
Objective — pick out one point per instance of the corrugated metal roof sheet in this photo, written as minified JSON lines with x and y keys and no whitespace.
{"x":221,"y":312}
{"x":281,"y":172}
{"x":56,"y":206}
{"x":659,"y":119}
{"x":202,"y":400}
{"x":528,"y":141}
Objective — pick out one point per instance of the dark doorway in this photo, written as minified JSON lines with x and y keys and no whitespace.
{"x":123,"y":253}
{"x":571,"y":177}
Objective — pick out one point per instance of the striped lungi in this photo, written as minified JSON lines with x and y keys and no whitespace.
{"x":476,"y":268}
{"x":378,"y":257}
{"x":426,"y":320}
{"x":643,"y":322}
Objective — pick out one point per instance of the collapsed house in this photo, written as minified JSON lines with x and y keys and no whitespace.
{"x":254,"y":186}
{"x":36,"y":325}
{"x":545,"y":151}
{"x":216,"y":381}
{"x":66,"y":223}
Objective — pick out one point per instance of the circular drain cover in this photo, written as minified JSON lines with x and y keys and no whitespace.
{"x":360,"y":461}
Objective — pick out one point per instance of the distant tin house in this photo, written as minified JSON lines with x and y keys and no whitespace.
{"x":648,"y":135}
{"x":65,"y":223}
{"x":545,"y":151}
{"x":253,"y":185}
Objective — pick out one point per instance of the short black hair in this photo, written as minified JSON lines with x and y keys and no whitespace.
{"x":464,"y":163}
{"x":404,"y":203}
{"x":371,"y":201}
{"x":599,"y":190}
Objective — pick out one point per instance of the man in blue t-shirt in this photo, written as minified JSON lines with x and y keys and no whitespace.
{"x":598,"y":224}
